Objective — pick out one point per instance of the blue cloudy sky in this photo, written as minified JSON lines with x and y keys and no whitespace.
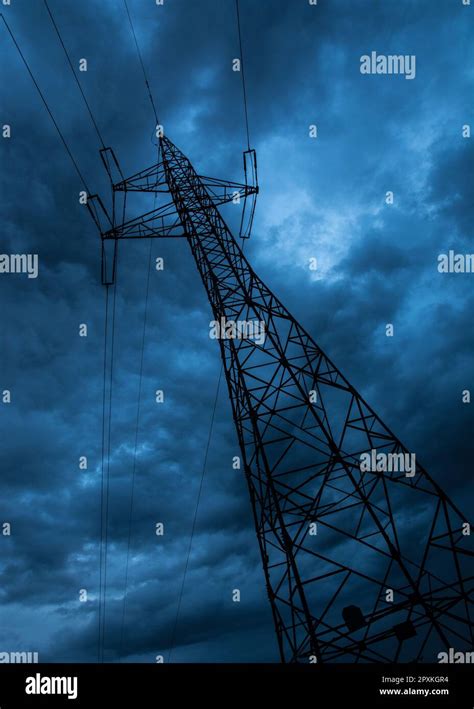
{"x":322,"y":198}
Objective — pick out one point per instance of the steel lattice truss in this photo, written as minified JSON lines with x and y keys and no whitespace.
{"x":302,"y":429}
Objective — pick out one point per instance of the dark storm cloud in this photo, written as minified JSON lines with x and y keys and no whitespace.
{"x":322,"y":198}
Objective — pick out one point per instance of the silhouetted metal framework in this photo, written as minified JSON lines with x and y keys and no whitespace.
{"x":334,"y":540}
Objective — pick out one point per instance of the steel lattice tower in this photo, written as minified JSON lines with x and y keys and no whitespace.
{"x":334,"y":539}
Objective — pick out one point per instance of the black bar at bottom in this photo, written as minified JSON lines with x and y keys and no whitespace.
{"x":310,"y":686}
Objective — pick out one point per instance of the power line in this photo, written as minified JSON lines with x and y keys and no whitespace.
{"x":105,"y":505}
{"x":132,"y":494}
{"x":46,"y":105}
{"x":180,"y":598}
{"x":74,"y":73}
{"x":244,"y":91}
{"x":106,"y":320}
{"x":141,"y":62}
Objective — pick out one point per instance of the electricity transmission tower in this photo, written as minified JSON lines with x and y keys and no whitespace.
{"x":367,"y":563}
{"x":360,"y":565}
